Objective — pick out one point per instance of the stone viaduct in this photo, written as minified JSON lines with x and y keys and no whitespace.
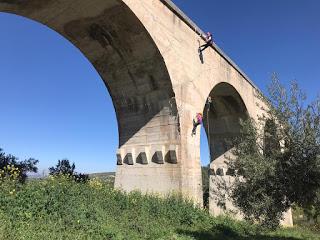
{"x":146,"y":53}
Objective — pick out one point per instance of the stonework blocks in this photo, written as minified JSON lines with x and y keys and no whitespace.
{"x":171,"y":157}
{"x":128,"y":159}
{"x":157,"y":157}
{"x":119,"y":159}
{"x":144,"y":155}
{"x":142,"y":158}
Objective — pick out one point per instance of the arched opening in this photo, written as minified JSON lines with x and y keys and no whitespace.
{"x":125,"y":56}
{"x":222,"y":114}
{"x":222,"y":119}
{"x":53,"y":102}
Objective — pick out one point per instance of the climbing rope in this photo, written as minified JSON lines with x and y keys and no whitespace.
{"x":209,"y":101}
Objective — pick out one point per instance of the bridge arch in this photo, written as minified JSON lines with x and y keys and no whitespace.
{"x":221,"y":120}
{"x":124,"y":54}
{"x":118,"y":45}
{"x":146,"y":53}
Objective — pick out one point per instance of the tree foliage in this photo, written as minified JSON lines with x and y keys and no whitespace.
{"x":277,"y":158}
{"x":64,"y":167}
{"x":28,"y":165}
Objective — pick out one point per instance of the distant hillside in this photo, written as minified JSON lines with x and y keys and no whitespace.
{"x":104,"y":176}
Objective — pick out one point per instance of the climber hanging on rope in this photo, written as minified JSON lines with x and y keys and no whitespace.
{"x":196,"y":122}
{"x":209,"y":42}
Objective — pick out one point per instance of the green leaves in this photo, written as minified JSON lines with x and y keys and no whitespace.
{"x":64,"y":167}
{"x":23,"y":167}
{"x":277,"y":158}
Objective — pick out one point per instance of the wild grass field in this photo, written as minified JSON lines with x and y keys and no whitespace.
{"x":59,"y":208}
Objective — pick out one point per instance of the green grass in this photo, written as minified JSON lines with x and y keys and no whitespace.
{"x":301,"y":219}
{"x":61,"y":209}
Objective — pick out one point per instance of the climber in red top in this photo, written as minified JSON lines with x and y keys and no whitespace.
{"x":196,"y":122}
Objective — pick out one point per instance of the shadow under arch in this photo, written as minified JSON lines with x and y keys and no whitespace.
{"x":221,"y":120}
{"x":122,"y":51}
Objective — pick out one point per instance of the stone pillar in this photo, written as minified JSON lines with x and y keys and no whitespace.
{"x":150,"y":160}
{"x":162,"y":157}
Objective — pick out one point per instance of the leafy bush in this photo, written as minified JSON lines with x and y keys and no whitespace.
{"x":9,"y":162}
{"x":276,"y":160}
{"x":64,"y":167}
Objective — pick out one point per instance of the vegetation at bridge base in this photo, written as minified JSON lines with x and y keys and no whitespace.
{"x":276,"y":162}
{"x":307,"y":218}
{"x":60,"y":208}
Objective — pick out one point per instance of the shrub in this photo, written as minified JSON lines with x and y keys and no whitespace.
{"x":276,"y":160}
{"x":9,"y":162}
{"x":64,"y":167}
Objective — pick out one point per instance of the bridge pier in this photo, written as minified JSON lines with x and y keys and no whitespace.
{"x":160,"y":158}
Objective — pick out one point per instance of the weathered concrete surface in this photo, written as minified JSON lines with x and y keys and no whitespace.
{"x":146,"y":53}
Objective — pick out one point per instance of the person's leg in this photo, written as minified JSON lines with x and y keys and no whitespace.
{"x":205,"y":46}
{"x":202,"y":46}
{"x":194,"y":130}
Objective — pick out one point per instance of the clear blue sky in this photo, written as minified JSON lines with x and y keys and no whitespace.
{"x":54,"y":105}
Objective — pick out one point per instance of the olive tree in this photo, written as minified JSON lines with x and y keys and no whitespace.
{"x":276,"y":160}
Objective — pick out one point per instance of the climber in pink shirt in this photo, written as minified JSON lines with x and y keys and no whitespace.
{"x":209,"y":42}
{"x":196,"y":122}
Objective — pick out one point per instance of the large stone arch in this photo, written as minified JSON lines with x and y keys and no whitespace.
{"x":115,"y":41}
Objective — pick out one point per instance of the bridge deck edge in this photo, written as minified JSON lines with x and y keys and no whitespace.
{"x":174,"y":8}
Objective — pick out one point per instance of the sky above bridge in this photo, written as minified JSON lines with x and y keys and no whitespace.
{"x":54,"y":105}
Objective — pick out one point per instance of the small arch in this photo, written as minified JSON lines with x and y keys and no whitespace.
{"x":222,"y":118}
{"x":220,"y":172}
{"x":230,"y":172}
